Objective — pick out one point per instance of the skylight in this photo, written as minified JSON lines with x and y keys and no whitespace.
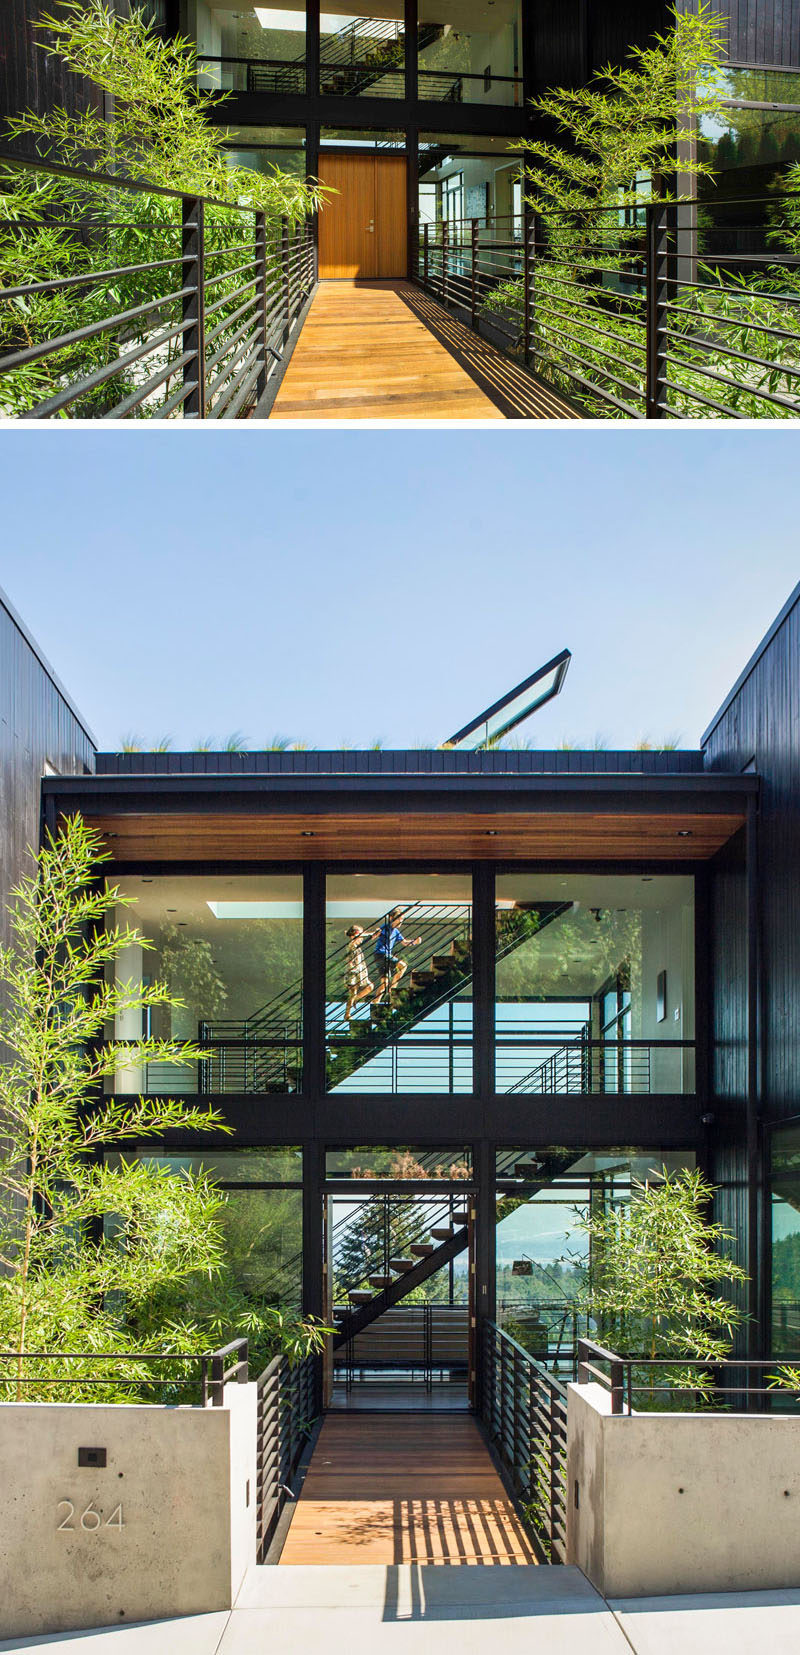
{"x":518,"y":704}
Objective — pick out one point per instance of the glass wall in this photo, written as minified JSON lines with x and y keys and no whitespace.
{"x":265,"y":148}
{"x":363,"y":56}
{"x":594,"y":983}
{"x":466,"y":177}
{"x":542,"y":1253}
{"x":262,"y":1217}
{"x":245,"y":48}
{"x":398,"y":1003}
{"x":785,"y":1218}
{"x":231,"y":949}
{"x":469,"y":51}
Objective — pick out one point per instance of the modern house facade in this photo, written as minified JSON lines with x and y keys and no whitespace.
{"x":415,"y":113}
{"x":600,"y":980}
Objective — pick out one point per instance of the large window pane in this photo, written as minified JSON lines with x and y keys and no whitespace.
{"x":263,"y":1226}
{"x":542,"y":1253}
{"x":363,"y":56}
{"x":594,"y":983}
{"x":398,"y":1005}
{"x":231,"y":949}
{"x":265,"y":148}
{"x":785,"y":1213}
{"x":245,"y":48}
{"x":469,"y":177}
{"x":470,"y":54}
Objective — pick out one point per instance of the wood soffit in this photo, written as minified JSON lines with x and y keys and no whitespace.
{"x":678,"y":835}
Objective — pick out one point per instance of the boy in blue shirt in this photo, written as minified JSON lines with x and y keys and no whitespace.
{"x":390,"y":969}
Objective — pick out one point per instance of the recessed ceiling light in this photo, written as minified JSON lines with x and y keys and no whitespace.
{"x":684,"y":833}
{"x":146,"y":881}
{"x":491,"y":833}
{"x":307,"y":833}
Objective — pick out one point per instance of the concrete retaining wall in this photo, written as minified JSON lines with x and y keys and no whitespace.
{"x":166,"y":1527}
{"x":663,"y":1503}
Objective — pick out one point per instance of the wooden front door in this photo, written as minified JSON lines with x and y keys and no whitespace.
{"x":362,"y":229}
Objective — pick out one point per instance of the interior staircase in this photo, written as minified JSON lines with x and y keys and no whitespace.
{"x":264,"y":1039}
{"x":363,"y":51}
{"x":441,"y":1232}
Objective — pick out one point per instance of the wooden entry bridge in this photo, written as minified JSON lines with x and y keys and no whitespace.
{"x":403,"y":1488}
{"x":382,"y":349}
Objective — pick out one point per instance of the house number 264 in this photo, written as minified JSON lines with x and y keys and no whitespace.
{"x":90,"y":1520}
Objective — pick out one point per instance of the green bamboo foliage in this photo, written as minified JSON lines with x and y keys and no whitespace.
{"x":101,"y":1248}
{"x":52,"y":227}
{"x":614,"y":151}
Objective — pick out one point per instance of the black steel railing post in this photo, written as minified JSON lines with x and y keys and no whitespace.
{"x":193,"y":307}
{"x":474,"y":276}
{"x":261,"y":298}
{"x":425,"y":255}
{"x":445,"y":250}
{"x":528,"y":255}
{"x":285,"y":277}
{"x":657,"y":293}
{"x":217,"y":1379}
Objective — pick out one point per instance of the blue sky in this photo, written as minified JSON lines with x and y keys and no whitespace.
{"x":353,"y":585}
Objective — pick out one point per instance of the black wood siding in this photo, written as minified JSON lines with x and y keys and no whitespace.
{"x":762,"y":723}
{"x":36,"y":724}
{"x":31,"y":78}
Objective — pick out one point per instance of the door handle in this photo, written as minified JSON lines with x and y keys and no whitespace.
{"x":371,"y":227}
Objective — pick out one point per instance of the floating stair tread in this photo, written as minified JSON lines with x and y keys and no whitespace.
{"x":359,"y":1295}
{"x":443,"y":1234}
{"x":422,"y":1249}
{"x":401,"y":1264}
{"x":461,"y":1218}
{"x":380,"y":1282}
{"x":423,"y":979}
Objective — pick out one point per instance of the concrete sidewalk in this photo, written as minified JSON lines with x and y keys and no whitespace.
{"x":368,"y":1609}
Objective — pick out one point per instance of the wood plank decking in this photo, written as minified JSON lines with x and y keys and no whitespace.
{"x":384,"y":350}
{"x":406,"y":1489}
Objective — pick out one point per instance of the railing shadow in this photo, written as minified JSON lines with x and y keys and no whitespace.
{"x":511,"y":388}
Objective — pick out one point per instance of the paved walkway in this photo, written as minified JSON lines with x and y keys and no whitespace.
{"x":406,"y":1611}
{"x":413,"y":1488}
{"x":384,"y":350}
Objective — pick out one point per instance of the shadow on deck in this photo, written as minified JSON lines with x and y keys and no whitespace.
{"x":385,"y":350}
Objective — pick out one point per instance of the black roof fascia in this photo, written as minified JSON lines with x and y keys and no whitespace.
{"x":448,"y":794}
{"x":793,"y":598}
{"x":427,"y":762}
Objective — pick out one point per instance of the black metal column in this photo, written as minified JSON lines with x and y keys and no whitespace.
{"x":756,"y":1329}
{"x":485,"y":1274}
{"x":314,"y":985}
{"x":313,"y":1191}
{"x":483,"y":974}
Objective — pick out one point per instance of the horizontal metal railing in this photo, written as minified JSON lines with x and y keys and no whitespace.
{"x":287,"y":1404}
{"x":417,"y":1342}
{"x":194,"y":330}
{"x":636,"y":1382}
{"x":524,"y":1410}
{"x":163,"y":1376}
{"x":354,"y":76}
{"x":671,"y":311}
{"x":537,"y":1063}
